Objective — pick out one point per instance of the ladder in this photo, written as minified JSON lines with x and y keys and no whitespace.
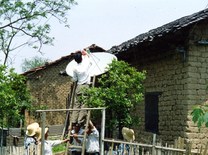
{"x":71,"y":102}
{"x":82,"y":147}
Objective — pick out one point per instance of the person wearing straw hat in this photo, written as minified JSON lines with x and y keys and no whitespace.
{"x":31,"y":136}
{"x":49,"y":144}
{"x":128,"y":135}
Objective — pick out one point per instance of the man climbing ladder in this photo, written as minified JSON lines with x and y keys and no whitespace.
{"x":82,"y":78}
{"x":84,"y":66}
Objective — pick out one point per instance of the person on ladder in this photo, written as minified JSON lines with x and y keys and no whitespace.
{"x":82,"y":78}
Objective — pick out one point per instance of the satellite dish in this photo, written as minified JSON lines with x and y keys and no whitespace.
{"x":100,"y":60}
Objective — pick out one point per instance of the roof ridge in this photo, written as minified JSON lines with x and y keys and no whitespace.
{"x":161,"y":30}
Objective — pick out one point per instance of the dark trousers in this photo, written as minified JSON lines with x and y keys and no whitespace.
{"x":76,"y":153}
{"x":96,"y":153}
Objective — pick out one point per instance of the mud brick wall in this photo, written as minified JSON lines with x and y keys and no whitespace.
{"x":197,"y":81}
{"x":182,"y":84}
{"x":165,"y":74}
{"x":50,"y":89}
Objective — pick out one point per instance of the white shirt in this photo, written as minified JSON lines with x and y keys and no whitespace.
{"x":49,"y":144}
{"x":92,"y":142}
{"x":81,"y":71}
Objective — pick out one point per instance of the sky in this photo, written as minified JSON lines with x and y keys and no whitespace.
{"x":107,"y":23}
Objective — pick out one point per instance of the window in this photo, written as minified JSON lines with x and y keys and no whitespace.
{"x":151,"y":112}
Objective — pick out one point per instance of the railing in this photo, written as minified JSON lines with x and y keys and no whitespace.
{"x":15,"y":150}
{"x":118,"y":147}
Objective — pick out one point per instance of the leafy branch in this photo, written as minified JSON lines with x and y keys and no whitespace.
{"x":120,"y":90}
{"x":28,"y":19}
{"x":200,"y":115}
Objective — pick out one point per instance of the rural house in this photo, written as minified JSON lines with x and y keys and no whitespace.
{"x":175,"y":57}
{"x":50,"y":89}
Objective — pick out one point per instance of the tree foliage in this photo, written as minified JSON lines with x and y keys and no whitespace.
{"x":20,"y":19}
{"x":200,"y":115}
{"x":14,"y":97}
{"x":120,"y":90}
{"x":33,"y":62}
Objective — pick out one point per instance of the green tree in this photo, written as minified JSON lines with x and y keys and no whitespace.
{"x":120,"y":90}
{"x":25,"y":22}
{"x":200,"y":115}
{"x":33,"y":62}
{"x":14,"y":97}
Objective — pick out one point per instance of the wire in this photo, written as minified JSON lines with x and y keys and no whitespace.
{"x":93,"y":56}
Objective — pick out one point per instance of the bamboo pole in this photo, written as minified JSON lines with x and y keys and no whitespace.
{"x":43,"y":133}
{"x":59,"y":110}
{"x":188,"y":148}
{"x":72,"y":106}
{"x":85,"y":134}
{"x":153,"y":144}
{"x":102,"y":132}
{"x":205,"y":149}
{"x":69,"y":104}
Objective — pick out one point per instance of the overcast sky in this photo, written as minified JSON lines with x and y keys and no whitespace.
{"x":107,"y":23}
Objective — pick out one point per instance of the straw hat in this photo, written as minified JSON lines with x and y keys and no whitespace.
{"x":128,"y":134}
{"x":31,"y":129}
{"x":39,"y":131}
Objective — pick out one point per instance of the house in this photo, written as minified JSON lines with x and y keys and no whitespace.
{"x":50,"y":89}
{"x":175,"y":57}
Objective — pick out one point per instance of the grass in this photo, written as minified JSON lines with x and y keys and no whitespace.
{"x":59,"y":148}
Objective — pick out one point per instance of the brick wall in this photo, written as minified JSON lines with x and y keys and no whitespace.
{"x":183,"y":84}
{"x":165,"y":74}
{"x":197,"y":81}
{"x":50,"y":89}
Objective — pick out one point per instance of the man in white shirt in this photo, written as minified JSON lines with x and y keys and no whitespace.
{"x":92,"y":142}
{"x":82,"y":77}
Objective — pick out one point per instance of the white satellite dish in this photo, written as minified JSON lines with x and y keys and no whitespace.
{"x":100,"y":60}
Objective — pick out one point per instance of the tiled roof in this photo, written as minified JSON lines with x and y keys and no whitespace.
{"x":161,"y":31}
{"x":92,"y":48}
